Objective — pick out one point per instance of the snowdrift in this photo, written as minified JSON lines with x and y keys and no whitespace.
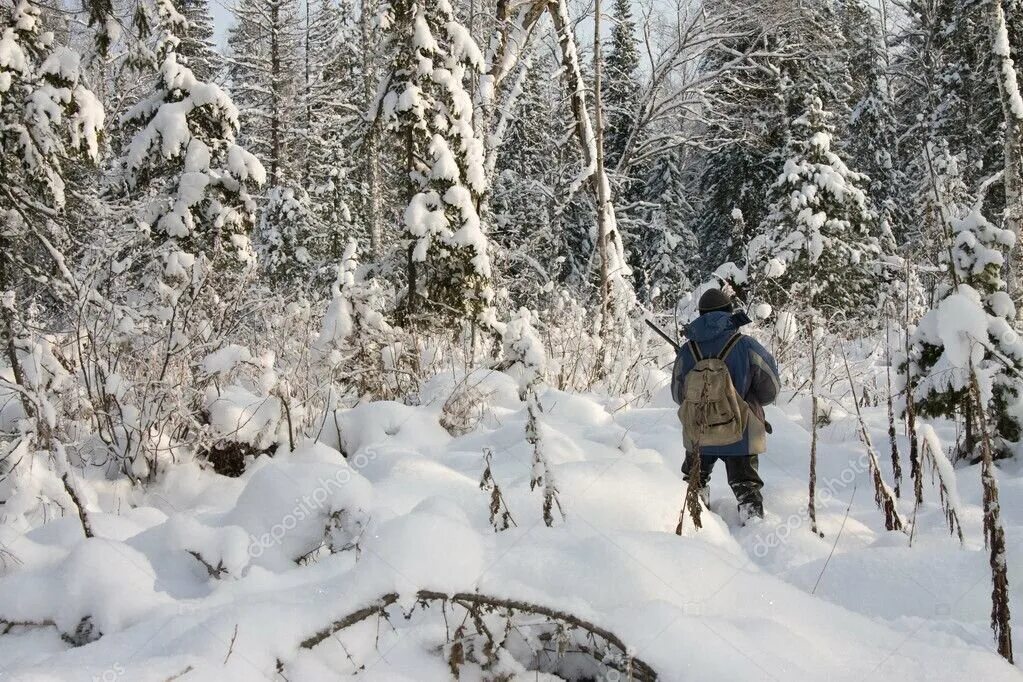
{"x":234,"y":579}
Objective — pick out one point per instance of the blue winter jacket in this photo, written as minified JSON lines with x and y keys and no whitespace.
{"x":754,"y":371}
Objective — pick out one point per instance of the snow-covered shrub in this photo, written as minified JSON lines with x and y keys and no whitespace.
{"x":524,"y":357}
{"x":356,"y":345}
{"x":572,"y":341}
{"x":36,"y":479}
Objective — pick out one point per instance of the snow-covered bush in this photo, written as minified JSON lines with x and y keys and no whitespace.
{"x":356,"y":345}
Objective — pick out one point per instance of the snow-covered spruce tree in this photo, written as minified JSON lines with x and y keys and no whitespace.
{"x":529,"y":172}
{"x":819,"y":247}
{"x":184,"y":150}
{"x":789,"y":47}
{"x":619,"y":101}
{"x":621,"y":81}
{"x":199,"y":215}
{"x":263,"y":78}
{"x":48,"y":117}
{"x":667,"y":250}
{"x":969,"y":331}
{"x":873,"y":130}
{"x":333,"y":126}
{"x":946,"y":55}
{"x":937,"y":200}
{"x":283,"y":236}
{"x":427,"y":107}
{"x":744,"y":133}
{"x":198,"y":47}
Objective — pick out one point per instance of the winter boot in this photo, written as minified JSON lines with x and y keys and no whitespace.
{"x":705,"y":496}
{"x":749,"y":511}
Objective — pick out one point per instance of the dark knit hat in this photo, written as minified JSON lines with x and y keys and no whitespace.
{"x":714,"y":300}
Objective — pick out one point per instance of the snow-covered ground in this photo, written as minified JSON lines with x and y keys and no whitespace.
{"x":724,"y":603}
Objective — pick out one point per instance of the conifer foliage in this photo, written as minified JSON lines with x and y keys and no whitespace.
{"x":184,"y":149}
{"x":622,"y":85}
{"x":970,"y":331}
{"x":48,"y":118}
{"x":819,"y":241}
{"x":428,"y":109}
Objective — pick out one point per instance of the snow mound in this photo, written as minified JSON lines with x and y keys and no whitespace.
{"x":241,"y":578}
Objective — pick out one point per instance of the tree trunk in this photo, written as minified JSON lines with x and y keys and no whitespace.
{"x":372,"y":143}
{"x":275,"y":100}
{"x":616,"y":288}
{"x":307,"y":152}
{"x":603,"y":190}
{"x":811,"y":505}
{"x":1012,"y":110}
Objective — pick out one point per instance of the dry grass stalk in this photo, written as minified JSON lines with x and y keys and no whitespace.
{"x":883,"y":495}
{"x":994,"y":533}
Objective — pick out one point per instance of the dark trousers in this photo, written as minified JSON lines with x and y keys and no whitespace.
{"x":743,"y":478}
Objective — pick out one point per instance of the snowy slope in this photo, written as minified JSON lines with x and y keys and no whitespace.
{"x":724,"y":603}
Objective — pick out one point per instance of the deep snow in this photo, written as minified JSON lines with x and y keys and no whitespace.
{"x":724,"y":603}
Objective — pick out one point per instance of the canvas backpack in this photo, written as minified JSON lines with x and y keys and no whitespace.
{"x":712,"y":411}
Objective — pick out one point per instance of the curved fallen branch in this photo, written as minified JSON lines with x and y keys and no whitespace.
{"x":633,"y":668}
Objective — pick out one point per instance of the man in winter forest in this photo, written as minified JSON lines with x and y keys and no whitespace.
{"x":754,"y":376}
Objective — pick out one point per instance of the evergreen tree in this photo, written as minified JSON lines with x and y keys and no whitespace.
{"x":794,"y":50}
{"x":969,"y":332}
{"x":666,"y":248}
{"x":527,"y":174}
{"x":284,"y":231}
{"x":197,"y":48}
{"x":48,"y":119}
{"x":264,"y":71}
{"x":873,"y":130}
{"x":195,"y":216}
{"x":429,"y":110}
{"x":184,"y":151}
{"x":333,"y":123}
{"x":819,"y":241}
{"x":621,"y":91}
{"x":949,"y":66}
{"x":621,"y":82}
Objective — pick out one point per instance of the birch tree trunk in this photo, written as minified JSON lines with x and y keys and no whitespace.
{"x":620,"y":298}
{"x":494,"y":99}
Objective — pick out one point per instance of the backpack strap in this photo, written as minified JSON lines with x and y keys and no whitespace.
{"x":729,"y":345}
{"x":695,"y":350}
